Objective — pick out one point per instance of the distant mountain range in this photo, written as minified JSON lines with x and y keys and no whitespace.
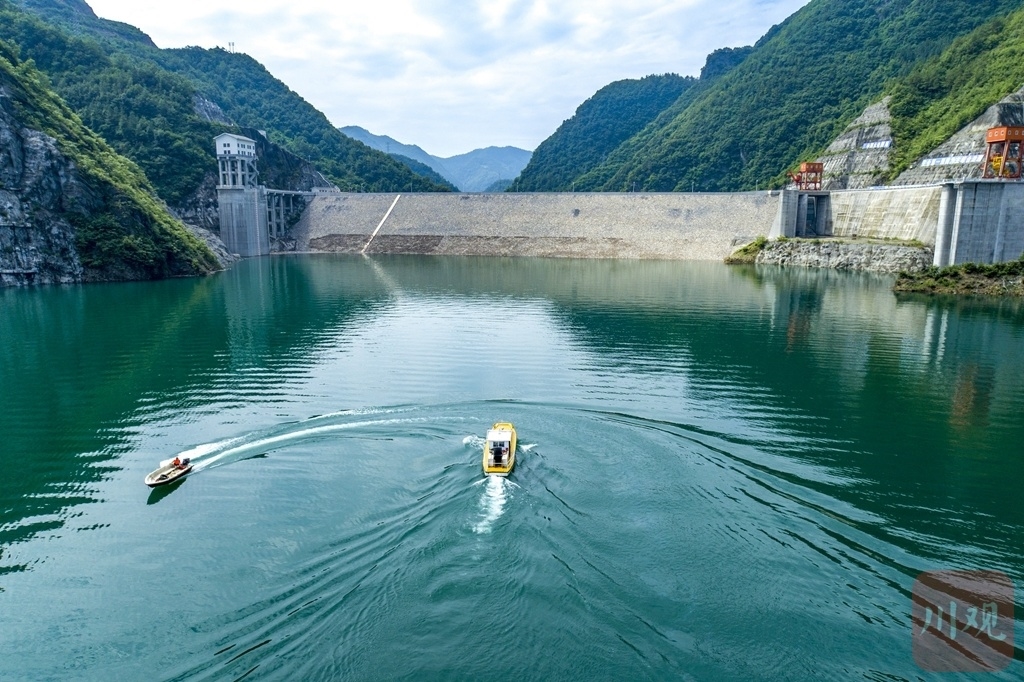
{"x":475,"y":171}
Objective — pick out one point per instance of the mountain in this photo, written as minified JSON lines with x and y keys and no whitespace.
{"x":389,"y":145}
{"x":425,"y":170}
{"x":606,"y":120}
{"x":251,"y":96}
{"x":77,"y":14}
{"x":477,"y":170}
{"x":154,"y":105}
{"x":500,"y":185}
{"x":74,"y":209}
{"x":931,"y":125}
{"x":943,"y":94}
{"x":474,"y":171}
{"x":794,"y":92}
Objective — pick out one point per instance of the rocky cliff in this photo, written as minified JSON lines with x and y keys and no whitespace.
{"x":72,"y":209}
{"x":38,"y":187}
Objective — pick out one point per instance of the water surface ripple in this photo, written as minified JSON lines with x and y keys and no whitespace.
{"x":722,"y":473}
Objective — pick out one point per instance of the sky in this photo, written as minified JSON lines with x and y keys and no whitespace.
{"x":457,"y":75}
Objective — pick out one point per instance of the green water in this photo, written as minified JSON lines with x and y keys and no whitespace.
{"x":729,"y":474}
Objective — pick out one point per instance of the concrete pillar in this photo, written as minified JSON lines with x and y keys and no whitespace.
{"x":944,"y":228}
{"x":965,"y":199}
{"x":243,"y":221}
{"x":823,"y":213}
{"x":1000,"y":227}
{"x":785,"y":219}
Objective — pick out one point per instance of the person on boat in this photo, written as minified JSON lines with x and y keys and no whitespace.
{"x":176,"y":463}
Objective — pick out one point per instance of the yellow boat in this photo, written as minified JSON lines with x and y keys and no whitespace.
{"x":500,"y":449}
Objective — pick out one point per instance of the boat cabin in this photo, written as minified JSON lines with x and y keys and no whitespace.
{"x":499,"y":447}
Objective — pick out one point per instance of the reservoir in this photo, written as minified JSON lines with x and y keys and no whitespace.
{"x":722,"y":474}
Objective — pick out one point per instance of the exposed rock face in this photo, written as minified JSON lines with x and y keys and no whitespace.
{"x":214,"y":243}
{"x":210,"y":111}
{"x":885,"y":258}
{"x":39,"y":186}
{"x":859,"y":157}
{"x":199,"y":209}
{"x":961,"y":156}
{"x":280,"y":169}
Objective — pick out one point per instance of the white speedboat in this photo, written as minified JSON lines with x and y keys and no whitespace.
{"x":170,"y":471}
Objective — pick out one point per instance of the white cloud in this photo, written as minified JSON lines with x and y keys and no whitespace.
{"x":453,"y":76}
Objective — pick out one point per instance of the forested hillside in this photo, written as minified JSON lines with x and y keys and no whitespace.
{"x":143,"y":111}
{"x":606,"y":120}
{"x":143,"y":100}
{"x":121,"y":230}
{"x":945,"y":93}
{"x":426,"y":171}
{"x":251,"y":96}
{"x":798,"y":88}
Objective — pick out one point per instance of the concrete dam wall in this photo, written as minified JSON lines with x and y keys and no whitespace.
{"x":977,"y":221}
{"x":575,"y":225}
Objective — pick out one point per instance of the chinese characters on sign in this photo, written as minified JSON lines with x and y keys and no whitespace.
{"x":963,"y":621}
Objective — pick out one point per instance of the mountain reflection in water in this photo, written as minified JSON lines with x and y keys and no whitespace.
{"x":730,"y":473}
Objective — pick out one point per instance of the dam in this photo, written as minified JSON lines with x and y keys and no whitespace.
{"x":576,"y":225}
{"x":972,"y":221}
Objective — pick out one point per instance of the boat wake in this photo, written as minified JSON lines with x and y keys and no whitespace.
{"x":209,"y":455}
{"x":492,"y":503}
{"x":474,"y":441}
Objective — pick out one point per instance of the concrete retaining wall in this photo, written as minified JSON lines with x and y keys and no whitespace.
{"x":584,"y":225}
{"x":899,"y":213}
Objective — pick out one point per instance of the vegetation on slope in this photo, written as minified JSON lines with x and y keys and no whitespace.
{"x":615,"y":113}
{"x":1001,"y":279}
{"x":251,"y":96}
{"x":142,"y":100}
{"x":748,"y":253}
{"x":143,"y":111}
{"x":947,"y":92}
{"x":77,"y":16}
{"x":426,"y":171}
{"x":132,"y":235}
{"x":499,"y":185}
{"x":800,"y":86}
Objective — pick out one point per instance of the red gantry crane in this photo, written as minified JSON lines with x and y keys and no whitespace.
{"x":809,"y":177}
{"x":1003,"y":157}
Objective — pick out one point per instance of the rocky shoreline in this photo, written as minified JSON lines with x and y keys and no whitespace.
{"x":969,"y":279}
{"x":842,"y":255}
